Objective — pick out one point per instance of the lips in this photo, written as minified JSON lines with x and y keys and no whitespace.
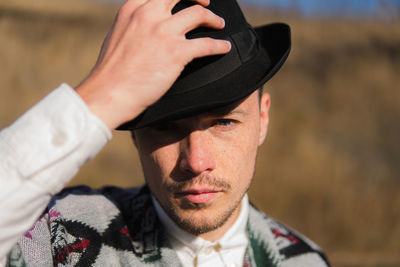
{"x":199,"y":196}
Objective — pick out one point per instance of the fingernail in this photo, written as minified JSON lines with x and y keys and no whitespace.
{"x":229,"y":44}
{"x":222,"y":22}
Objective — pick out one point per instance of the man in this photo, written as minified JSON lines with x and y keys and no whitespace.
{"x":197,"y":126}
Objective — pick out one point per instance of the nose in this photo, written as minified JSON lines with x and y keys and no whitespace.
{"x":196,"y":153}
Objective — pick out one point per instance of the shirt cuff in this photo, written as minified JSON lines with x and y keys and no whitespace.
{"x":52,"y":140}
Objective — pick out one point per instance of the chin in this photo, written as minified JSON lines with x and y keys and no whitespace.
{"x":202,"y":219}
{"x":197,"y":224}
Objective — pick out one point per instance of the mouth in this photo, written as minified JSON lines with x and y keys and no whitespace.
{"x":199,"y":196}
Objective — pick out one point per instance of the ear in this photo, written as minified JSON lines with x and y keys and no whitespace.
{"x":265,"y":103}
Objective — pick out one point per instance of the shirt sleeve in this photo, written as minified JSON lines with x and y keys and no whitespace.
{"x":39,"y":154}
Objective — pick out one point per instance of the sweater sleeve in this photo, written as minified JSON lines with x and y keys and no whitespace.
{"x":39,"y":154}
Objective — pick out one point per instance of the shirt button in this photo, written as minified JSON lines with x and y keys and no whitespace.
{"x":208,"y":250}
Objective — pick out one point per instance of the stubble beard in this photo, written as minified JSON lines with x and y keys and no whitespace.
{"x":197,"y":225}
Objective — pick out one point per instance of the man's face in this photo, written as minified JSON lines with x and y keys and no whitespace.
{"x":199,"y":168}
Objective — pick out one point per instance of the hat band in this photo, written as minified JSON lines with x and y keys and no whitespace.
{"x":245,"y":46}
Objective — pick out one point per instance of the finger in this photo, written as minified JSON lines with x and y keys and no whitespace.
{"x":170,"y":4}
{"x":202,"y":47}
{"x":122,"y":22}
{"x":129,"y":7}
{"x":203,"y":2}
{"x":193,"y":17}
{"x":124,"y":16}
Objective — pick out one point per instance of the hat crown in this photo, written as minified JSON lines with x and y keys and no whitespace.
{"x":214,"y":81}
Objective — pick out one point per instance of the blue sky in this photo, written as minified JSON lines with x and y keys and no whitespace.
{"x":328,"y":7}
{"x":310,"y":7}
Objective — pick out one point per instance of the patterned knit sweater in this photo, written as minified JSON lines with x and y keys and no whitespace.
{"x":119,"y":227}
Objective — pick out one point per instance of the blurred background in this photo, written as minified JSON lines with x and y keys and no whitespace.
{"x":330,"y":165}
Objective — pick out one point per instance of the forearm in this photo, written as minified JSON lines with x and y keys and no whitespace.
{"x":39,"y":154}
{"x":142,"y":56}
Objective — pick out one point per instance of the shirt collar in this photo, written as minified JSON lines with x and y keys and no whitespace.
{"x":235,"y":236}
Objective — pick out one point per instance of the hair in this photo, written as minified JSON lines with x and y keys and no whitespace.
{"x":260,"y":92}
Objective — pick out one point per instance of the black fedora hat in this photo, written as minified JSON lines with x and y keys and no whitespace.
{"x":215,"y":81}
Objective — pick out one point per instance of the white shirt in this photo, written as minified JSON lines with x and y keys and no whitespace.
{"x":194,"y":251}
{"x":43,"y":150}
{"x":39,"y":154}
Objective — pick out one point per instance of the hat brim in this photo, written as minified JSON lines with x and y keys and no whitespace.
{"x":275,"y":43}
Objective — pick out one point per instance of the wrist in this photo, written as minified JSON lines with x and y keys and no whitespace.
{"x":108,"y":102}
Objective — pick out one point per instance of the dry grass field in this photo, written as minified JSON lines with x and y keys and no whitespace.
{"x":330,"y":165}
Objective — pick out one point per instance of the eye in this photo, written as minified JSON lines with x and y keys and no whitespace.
{"x":225,"y":122}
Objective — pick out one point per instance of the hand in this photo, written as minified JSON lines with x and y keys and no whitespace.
{"x":143,"y":54}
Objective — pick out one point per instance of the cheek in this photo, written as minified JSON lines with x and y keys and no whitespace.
{"x":158,"y":164}
{"x":165,"y":159}
{"x":156,"y":167}
{"x":238,"y":157}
